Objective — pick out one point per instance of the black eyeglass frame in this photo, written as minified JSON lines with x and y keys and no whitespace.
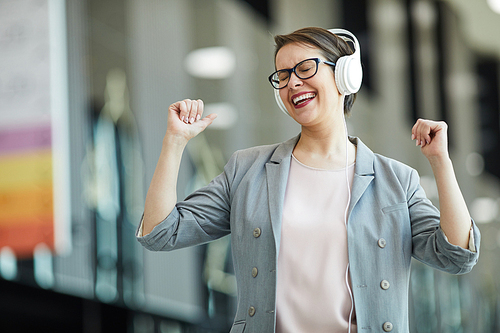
{"x":293,"y":70}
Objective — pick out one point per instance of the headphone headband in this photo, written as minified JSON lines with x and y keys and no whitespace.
{"x":353,"y":39}
{"x":348,"y":71}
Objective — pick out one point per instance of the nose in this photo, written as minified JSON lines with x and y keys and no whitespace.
{"x":294,"y":81}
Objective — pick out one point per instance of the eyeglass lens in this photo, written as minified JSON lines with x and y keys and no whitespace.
{"x":303,"y":70}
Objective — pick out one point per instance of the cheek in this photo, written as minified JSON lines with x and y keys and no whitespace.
{"x":283,"y":95}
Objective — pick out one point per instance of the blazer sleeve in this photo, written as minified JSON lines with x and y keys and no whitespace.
{"x":430,"y":244}
{"x":202,"y":217}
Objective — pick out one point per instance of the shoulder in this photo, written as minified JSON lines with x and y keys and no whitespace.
{"x":251,"y":163}
{"x":370,"y":162}
{"x":386,"y":170}
{"x":260,"y":155}
{"x":393,"y":173}
{"x":384,"y":162}
{"x":255,"y":157}
{"x":257,"y":153}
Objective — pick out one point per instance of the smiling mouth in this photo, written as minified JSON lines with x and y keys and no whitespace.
{"x":303,"y":98}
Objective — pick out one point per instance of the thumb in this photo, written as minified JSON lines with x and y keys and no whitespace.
{"x":205,"y":122}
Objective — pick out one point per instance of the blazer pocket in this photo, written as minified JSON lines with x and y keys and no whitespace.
{"x":238,"y":327}
{"x":398,"y":206}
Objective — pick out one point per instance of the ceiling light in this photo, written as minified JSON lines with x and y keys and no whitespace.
{"x":494,"y":5}
{"x":211,"y":63}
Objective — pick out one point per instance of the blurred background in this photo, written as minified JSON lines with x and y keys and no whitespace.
{"x":84,"y":89}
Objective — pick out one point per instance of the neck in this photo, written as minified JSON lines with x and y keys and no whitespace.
{"x":324,"y":146}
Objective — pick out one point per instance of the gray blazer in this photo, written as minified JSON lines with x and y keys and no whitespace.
{"x":390,"y":220}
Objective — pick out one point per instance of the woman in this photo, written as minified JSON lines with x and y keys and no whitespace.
{"x":322,"y":229}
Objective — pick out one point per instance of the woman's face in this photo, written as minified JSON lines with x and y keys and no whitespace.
{"x":322,"y":100}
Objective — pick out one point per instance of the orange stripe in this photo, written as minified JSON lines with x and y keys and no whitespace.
{"x":23,"y":239}
{"x":30,"y":202}
{"x":33,"y":221}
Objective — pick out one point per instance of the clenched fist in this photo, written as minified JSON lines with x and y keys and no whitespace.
{"x":432,"y":137}
{"x":184,"y":120}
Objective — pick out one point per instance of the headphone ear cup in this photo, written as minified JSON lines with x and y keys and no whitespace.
{"x":348,"y":75}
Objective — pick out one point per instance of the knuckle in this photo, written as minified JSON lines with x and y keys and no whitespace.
{"x":182,"y":106}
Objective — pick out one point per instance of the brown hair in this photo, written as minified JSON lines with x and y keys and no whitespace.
{"x":331,"y":46}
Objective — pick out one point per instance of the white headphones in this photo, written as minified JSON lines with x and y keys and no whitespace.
{"x":348,"y":71}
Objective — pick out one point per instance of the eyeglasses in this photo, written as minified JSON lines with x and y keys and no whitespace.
{"x":304,"y":70}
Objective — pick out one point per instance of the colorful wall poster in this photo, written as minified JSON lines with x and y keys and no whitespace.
{"x":34,"y":154}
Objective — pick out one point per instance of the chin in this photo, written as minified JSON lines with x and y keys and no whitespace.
{"x":303,"y":119}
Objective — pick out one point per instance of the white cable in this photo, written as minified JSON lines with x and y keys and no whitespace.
{"x":350,"y":295}
{"x":345,"y":218}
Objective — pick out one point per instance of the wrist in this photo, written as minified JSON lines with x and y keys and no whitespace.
{"x":439,"y":161}
{"x":172,"y":140}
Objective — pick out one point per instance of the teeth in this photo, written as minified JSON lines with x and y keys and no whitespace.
{"x":303,"y":97}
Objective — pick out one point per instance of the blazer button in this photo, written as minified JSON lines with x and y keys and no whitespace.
{"x":387,"y":326}
{"x":251,"y":311}
{"x":256,"y":232}
{"x":384,"y":284}
{"x":255,"y":271}
{"x":382,"y":243}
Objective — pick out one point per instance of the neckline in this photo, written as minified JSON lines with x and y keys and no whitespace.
{"x":319,"y":169}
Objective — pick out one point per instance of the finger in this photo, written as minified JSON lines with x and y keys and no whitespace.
{"x":422,"y":128}
{"x":413,"y":130}
{"x":200,"y":110}
{"x":193,"y":111}
{"x":178,"y":108}
{"x":192,"y":106}
{"x":182,"y":106}
{"x":421,"y":132}
{"x":416,"y":132}
{"x":185,"y":110}
{"x":426,"y":137}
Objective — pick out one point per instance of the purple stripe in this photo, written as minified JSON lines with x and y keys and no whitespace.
{"x":25,"y":139}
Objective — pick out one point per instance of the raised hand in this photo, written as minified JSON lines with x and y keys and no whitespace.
{"x":184,"y":120}
{"x":432,"y":137}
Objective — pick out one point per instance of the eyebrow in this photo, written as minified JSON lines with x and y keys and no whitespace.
{"x":295,"y":63}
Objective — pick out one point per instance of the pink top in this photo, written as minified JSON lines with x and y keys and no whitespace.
{"x":312,"y":294}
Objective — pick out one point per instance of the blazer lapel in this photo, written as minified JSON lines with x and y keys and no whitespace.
{"x":277,"y":170}
{"x":364,"y":173}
